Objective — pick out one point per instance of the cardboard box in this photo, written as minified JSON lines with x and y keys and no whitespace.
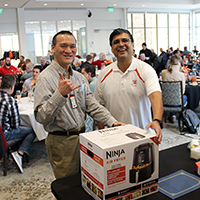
{"x":119,"y":163}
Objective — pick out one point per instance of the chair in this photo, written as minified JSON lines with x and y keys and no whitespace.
{"x":172,"y":97}
{"x":5,"y":150}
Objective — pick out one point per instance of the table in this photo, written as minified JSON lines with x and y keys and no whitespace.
{"x":171,"y":160}
{"x":193,"y":94}
{"x":26,"y":112}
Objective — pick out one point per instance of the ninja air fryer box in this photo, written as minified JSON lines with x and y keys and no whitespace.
{"x":119,"y":163}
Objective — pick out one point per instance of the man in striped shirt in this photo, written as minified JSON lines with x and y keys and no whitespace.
{"x":10,"y":121}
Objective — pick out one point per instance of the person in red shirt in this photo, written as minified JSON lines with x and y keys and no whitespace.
{"x":8,"y":68}
{"x":101,"y":63}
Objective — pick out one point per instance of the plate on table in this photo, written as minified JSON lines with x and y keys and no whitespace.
{"x":22,"y":108}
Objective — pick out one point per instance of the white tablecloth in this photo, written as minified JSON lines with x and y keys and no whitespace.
{"x":26,"y":111}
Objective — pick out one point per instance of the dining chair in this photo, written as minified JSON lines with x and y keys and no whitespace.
{"x":5,"y":150}
{"x":172,"y":97}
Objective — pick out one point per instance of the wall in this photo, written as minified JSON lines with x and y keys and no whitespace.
{"x":99,"y":25}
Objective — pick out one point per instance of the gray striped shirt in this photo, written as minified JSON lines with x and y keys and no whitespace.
{"x":55,"y":112}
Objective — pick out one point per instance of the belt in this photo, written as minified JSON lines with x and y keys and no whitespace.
{"x":69,"y":132}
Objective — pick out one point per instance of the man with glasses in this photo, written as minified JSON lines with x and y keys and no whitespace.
{"x":130,"y":87}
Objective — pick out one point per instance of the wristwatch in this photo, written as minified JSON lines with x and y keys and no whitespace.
{"x":160,"y":122}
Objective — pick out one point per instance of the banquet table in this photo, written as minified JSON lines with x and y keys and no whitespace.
{"x":26,"y":112}
{"x":170,"y":161}
{"x":193,"y":94}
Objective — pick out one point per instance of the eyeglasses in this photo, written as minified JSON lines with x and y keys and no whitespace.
{"x":124,"y":40}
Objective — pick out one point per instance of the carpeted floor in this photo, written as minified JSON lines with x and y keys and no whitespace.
{"x":35,"y":182}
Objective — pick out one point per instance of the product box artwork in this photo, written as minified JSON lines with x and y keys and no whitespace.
{"x":119,"y":163}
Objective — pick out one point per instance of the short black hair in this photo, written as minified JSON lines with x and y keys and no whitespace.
{"x":8,"y":80}
{"x":144,"y":44}
{"x":60,"y":33}
{"x":37,"y":67}
{"x":117,"y":32}
{"x":90,"y":68}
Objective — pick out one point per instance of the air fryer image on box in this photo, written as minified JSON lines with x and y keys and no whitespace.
{"x":100,"y":193}
{"x":135,"y":135}
{"x":94,"y":188}
{"x":143,"y":164}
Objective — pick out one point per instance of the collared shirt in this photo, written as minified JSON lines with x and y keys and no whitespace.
{"x":9,"y":112}
{"x":55,"y":112}
{"x":92,"y":83}
{"x":4,"y":70}
{"x":126,"y":94}
{"x":28,"y":86}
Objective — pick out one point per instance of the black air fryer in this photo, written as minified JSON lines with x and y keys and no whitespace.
{"x":143,"y":164}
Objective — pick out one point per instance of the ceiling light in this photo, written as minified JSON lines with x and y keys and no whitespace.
{"x":114,"y":4}
{"x":45,"y":4}
{"x":5,"y":4}
{"x":143,"y":5}
{"x":82,"y":4}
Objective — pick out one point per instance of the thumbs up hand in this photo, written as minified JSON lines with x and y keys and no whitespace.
{"x":66,"y":86}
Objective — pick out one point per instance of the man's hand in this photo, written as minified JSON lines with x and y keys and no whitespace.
{"x":66,"y":86}
{"x":118,"y":124}
{"x":156,"y":126}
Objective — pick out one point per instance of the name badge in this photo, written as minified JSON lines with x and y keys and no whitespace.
{"x":73,"y":101}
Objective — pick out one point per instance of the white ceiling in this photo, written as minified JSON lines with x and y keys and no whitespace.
{"x":132,"y":4}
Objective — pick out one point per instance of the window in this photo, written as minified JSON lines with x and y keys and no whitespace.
{"x":48,"y":31}
{"x":40,"y":34}
{"x":161,"y":30}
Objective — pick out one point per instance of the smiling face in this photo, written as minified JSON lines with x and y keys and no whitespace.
{"x":64,"y":49}
{"x":36,"y":73}
{"x":124,"y":48}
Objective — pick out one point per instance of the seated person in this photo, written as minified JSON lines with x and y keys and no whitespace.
{"x":89,"y":72}
{"x":2,"y":62}
{"x":196,"y":67}
{"x":101,"y":62}
{"x":10,"y":121}
{"x":44,"y":63}
{"x":89,"y":59}
{"x":173,"y":74}
{"x":29,"y":72}
{"x":29,"y":84}
{"x":143,"y":58}
{"x":22,"y":63}
{"x":8,"y":68}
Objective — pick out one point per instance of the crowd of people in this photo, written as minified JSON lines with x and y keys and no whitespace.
{"x":68,"y":93}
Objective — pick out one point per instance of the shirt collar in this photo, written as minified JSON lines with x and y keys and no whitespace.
{"x":63,"y":70}
{"x":131,"y":67}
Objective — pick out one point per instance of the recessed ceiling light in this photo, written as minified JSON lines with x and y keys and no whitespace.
{"x":45,"y":4}
{"x":5,"y":4}
{"x":82,"y":4}
{"x":143,"y":5}
{"x":114,"y":4}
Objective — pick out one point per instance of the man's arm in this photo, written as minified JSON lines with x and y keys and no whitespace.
{"x":157,"y":107}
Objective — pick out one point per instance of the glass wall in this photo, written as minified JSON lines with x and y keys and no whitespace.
{"x":160,"y":30}
{"x":39,"y":36}
{"x":9,"y":42}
